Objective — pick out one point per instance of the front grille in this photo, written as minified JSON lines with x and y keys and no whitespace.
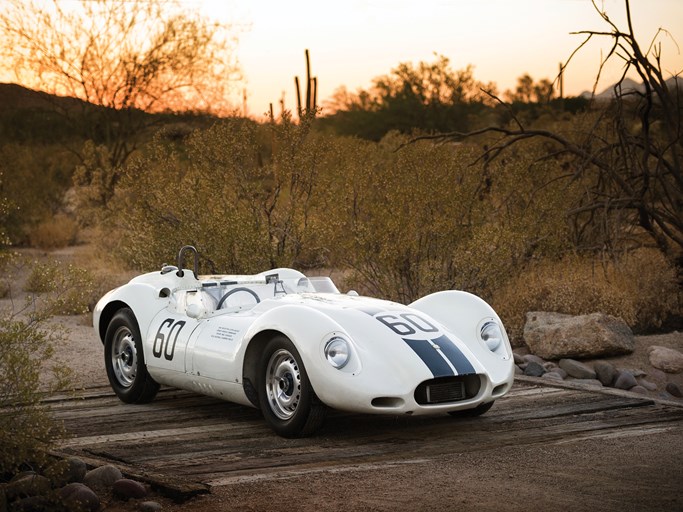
{"x":447,"y":389}
{"x":445,"y":392}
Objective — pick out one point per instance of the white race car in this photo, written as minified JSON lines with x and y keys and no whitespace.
{"x":293,"y":346}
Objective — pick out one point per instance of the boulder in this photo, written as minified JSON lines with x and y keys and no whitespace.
{"x":674,"y":389}
{"x":666,"y":359}
{"x":126,"y":489}
{"x":77,"y":496}
{"x":625,"y":380}
{"x":533,"y":358}
{"x":576,"y":369}
{"x":639,"y":389}
{"x":102,"y":477}
{"x":605,"y":372}
{"x":533,"y":369}
{"x":27,"y":486}
{"x":66,"y":471}
{"x":552,"y":376}
{"x":557,"y":336}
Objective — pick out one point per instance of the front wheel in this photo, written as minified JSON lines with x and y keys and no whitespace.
{"x":125,"y":361}
{"x":288,"y":402}
{"x":471,"y":413}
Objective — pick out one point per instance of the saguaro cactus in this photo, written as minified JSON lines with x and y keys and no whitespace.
{"x":311,"y":91}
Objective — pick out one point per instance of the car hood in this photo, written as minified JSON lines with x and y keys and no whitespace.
{"x":386,"y":330}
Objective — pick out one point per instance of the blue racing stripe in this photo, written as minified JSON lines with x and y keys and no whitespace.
{"x":454,"y":355}
{"x":434,"y":361}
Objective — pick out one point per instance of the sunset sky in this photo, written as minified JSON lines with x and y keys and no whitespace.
{"x":353,"y":41}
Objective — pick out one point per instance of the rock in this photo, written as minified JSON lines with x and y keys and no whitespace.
{"x":625,"y":380}
{"x":27,"y":486}
{"x":149,"y":506}
{"x":533,"y":369}
{"x":561,"y":372}
{"x":650,"y":386}
{"x":549,"y":366}
{"x":33,"y":504}
{"x":126,"y":489}
{"x":518,"y":370}
{"x":3,"y":500}
{"x":576,"y":369}
{"x":21,"y":475}
{"x":605,"y":372}
{"x":639,"y":389}
{"x":666,"y":359}
{"x":79,"y":497}
{"x":531,"y":357}
{"x":518,"y":358}
{"x":66,"y":471}
{"x":595,"y":383}
{"x":557,"y":336}
{"x":674,"y":389}
{"x":552,"y":376}
{"x":102,"y":477}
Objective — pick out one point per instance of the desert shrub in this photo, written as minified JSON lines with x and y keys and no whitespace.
{"x":71,"y":289}
{"x":245,"y":195}
{"x":26,"y":428}
{"x":54,"y":232}
{"x":429,"y":217}
{"x":641,"y":288}
{"x":36,"y":178}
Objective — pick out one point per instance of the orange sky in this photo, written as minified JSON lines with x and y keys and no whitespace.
{"x":353,"y":41}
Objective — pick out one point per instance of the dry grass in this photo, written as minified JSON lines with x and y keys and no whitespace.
{"x":640,"y":288}
{"x":55,"y":232}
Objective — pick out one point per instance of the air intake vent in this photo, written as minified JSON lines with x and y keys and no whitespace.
{"x":447,"y":389}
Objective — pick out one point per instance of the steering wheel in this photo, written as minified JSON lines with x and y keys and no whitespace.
{"x":235,"y":290}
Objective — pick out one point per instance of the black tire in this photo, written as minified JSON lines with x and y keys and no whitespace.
{"x":125,"y":360}
{"x":471,"y":413}
{"x":286,"y":397}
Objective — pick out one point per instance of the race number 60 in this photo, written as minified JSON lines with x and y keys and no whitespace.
{"x":162,"y":342}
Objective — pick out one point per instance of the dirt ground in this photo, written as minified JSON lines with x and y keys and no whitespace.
{"x":629,"y":472}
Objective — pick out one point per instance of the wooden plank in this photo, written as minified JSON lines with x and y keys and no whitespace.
{"x":203,"y":441}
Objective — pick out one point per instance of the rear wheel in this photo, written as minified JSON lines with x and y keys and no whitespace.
{"x":288,"y":402}
{"x":471,"y":413}
{"x":125,"y":361}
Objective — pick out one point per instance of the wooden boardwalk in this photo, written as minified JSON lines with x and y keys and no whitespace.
{"x":185,"y":443}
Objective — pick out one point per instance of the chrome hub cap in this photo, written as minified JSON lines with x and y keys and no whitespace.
{"x":283,"y":384}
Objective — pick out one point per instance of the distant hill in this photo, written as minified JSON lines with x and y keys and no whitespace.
{"x":631,"y":85}
{"x":17,"y":97}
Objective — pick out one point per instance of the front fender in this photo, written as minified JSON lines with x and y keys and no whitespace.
{"x":307,"y":328}
{"x":463,"y":314}
{"x":144,"y":299}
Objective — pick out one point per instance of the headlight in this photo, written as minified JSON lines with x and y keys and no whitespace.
{"x":337,"y":352}
{"x":491,"y":335}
